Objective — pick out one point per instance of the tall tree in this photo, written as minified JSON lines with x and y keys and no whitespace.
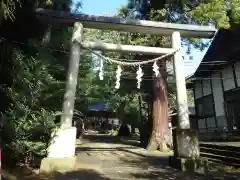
{"x":32,"y":81}
{"x":159,"y":136}
{"x":223,"y":13}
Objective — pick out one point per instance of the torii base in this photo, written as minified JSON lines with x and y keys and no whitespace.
{"x":186,"y":146}
{"x":63,"y":143}
{"x":61,"y":152}
{"x":199,"y":165}
{"x":49,"y":165}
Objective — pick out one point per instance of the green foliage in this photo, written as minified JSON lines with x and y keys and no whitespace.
{"x":27,"y":124}
{"x":27,"y":133}
{"x":32,"y":79}
{"x":217,"y":12}
{"x":214,"y":10}
{"x":7,"y":8}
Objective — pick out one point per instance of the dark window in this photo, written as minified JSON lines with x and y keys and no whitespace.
{"x":232,"y":107}
{"x":205,"y":106}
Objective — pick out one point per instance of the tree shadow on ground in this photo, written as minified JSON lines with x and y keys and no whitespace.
{"x":154,"y":167}
{"x":158,"y":168}
{"x":79,"y":174}
{"x":170,"y":174}
{"x":137,"y":163}
{"x":132,"y":141}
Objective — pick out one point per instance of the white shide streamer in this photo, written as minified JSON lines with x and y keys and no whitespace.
{"x":118,"y":75}
{"x":155,"y":69}
{"x":101,"y":70}
{"x":139,"y":76}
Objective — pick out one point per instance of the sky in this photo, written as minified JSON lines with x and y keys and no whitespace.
{"x":110,"y":7}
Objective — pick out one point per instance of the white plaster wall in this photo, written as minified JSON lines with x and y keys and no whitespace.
{"x":206,"y":87}
{"x":237,"y":71}
{"x":198,"y":89}
{"x":228,"y":78}
{"x":218,"y":94}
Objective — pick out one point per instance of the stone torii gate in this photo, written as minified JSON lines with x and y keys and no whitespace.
{"x":63,"y":145}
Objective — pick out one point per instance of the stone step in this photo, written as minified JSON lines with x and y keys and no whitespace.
{"x":228,"y":155}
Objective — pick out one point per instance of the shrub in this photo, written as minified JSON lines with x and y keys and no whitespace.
{"x":26,"y":136}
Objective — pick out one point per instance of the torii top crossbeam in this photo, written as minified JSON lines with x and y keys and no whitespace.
{"x":119,"y":24}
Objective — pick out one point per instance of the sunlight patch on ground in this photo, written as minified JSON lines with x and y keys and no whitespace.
{"x":78,"y":143}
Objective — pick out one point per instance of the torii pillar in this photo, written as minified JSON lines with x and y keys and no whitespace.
{"x":61,"y":152}
{"x":185,"y":141}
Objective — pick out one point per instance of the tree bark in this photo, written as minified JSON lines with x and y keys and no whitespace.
{"x":160,"y":135}
{"x":146,"y":125}
{"x":120,"y":112}
{"x":141,"y":120}
{"x":133,"y":132}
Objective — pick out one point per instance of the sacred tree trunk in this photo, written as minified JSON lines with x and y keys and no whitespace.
{"x":120,"y":112}
{"x":146,"y":124}
{"x":123,"y":131}
{"x":160,"y":135}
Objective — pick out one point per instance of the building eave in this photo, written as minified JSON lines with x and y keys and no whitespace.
{"x":220,"y":53}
